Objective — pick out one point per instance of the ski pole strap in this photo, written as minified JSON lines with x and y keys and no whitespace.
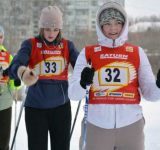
{"x":23,"y":74}
{"x":4,"y":86}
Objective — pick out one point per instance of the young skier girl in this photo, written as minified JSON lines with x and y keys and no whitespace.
{"x":115,"y":118}
{"x":47,"y":106}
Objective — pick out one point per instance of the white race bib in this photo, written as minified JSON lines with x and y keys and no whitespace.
{"x":51,"y":67}
{"x":116,"y":76}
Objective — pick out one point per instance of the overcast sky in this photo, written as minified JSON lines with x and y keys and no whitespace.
{"x":140,"y":8}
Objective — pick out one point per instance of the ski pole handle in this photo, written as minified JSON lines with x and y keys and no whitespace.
{"x":89,"y":65}
{"x":88,"y":85}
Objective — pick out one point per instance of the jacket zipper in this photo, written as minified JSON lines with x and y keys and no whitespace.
{"x":113,"y":43}
{"x":63,"y":93}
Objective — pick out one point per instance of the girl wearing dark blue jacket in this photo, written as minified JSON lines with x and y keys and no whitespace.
{"x":42,"y":64}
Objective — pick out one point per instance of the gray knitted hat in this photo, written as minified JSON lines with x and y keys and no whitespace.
{"x":110,"y":13}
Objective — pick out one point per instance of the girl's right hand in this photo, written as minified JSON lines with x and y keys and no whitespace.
{"x":28,"y":76}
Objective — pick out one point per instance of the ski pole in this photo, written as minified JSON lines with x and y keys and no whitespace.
{"x":16,"y":96}
{"x":16,"y":129}
{"x":75,"y":118}
{"x":86,"y":111}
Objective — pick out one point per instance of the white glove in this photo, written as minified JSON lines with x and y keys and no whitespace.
{"x":28,"y":76}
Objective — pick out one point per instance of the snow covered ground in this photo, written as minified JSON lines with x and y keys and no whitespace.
{"x":152,"y":128}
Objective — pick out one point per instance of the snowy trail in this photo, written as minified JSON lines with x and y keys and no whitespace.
{"x":151,"y":112}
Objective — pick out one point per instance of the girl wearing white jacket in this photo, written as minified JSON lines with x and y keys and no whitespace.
{"x":119,"y":70}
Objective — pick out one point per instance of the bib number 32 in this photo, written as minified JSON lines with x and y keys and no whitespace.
{"x":116,"y":76}
{"x":110,"y":73}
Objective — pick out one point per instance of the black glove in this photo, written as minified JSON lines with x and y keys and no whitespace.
{"x":17,"y":82}
{"x":87,"y":76}
{"x":158,"y":79}
{"x":5,"y":72}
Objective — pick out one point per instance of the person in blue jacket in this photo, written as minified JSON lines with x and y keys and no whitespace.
{"x":42,"y":64}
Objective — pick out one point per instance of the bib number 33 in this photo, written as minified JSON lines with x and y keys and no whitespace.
{"x":52,"y":67}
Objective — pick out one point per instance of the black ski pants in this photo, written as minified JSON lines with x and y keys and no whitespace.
{"x":56,"y":121}
{"x":5,"y":128}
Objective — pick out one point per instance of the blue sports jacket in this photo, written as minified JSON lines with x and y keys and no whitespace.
{"x":44,"y":93}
